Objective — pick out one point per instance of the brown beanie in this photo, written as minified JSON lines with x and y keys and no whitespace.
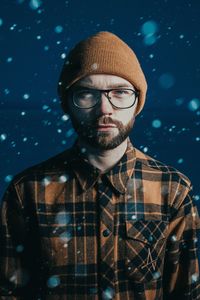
{"x":102,"y":53}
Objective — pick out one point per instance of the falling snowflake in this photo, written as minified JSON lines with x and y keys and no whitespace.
{"x":156,"y":123}
{"x":63,"y":55}
{"x":53,"y":281}
{"x":156,"y":275}
{"x":194,"y":104}
{"x":180,"y":161}
{"x":194,"y":277}
{"x":35,"y":4}
{"x":65,"y":118}
{"x":108,"y":293}
{"x":26,"y":96}
{"x":173,"y":238}
{"x":58,"y":29}
{"x":46,"y":180}
{"x":66,"y":236}
{"x":3,"y":137}
{"x":8,"y":178}
{"x":63,"y":218}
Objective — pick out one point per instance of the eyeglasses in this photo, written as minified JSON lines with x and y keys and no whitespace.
{"x":121,"y":98}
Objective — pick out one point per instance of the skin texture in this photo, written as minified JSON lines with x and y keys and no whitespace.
{"x":104,"y":146}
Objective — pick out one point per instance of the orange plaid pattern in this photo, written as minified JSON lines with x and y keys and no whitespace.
{"x":69,"y":232}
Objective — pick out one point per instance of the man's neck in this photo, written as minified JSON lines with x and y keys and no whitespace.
{"x":103,"y":159}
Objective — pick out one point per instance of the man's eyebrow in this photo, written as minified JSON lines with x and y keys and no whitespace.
{"x":111,"y":86}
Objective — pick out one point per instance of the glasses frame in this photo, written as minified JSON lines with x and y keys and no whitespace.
{"x":106,"y":92}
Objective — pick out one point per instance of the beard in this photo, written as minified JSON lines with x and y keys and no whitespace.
{"x":102,"y":140}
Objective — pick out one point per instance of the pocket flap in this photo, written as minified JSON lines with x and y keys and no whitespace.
{"x":146,"y":231}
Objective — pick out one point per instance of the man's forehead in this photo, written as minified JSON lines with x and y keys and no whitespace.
{"x":103,"y":80}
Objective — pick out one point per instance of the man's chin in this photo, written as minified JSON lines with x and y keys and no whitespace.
{"x":104,"y":142}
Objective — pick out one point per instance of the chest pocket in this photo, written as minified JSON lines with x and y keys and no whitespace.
{"x":145,"y":248}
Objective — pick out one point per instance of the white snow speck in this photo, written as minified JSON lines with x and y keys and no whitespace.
{"x":35,"y":4}
{"x":13,"y":27}
{"x":66,"y":236}
{"x":8,"y":178}
{"x":156,"y":123}
{"x":156,"y":275}
{"x":83,"y":150}
{"x":63,"y":55}
{"x":3,"y":137}
{"x":53,"y":281}
{"x":94,"y":66}
{"x":194,"y":104}
{"x":145,"y":149}
{"x":108,"y":293}
{"x":63,"y":178}
{"x":149,"y":28}
{"x":196,"y":197}
{"x":173,"y":238}
{"x":194,"y":277}
{"x":58,"y":29}
{"x":26,"y":96}
{"x":69,"y":132}
{"x":6,"y":91}
{"x":65,"y":118}
{"x":9,"y":59}
{"x":46,"y":180}
{"x":180,"y":161}
{"x":63,"y":218}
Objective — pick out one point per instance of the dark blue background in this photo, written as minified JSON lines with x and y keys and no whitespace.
{"x":32,"y":53}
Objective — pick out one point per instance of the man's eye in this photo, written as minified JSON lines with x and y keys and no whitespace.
{"x":121,"y":92}
{"x":84,"y":94}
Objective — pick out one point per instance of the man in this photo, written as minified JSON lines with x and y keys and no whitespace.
{"x":102,"y":220}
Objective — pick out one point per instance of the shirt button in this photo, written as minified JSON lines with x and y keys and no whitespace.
{"x":106,"y":232}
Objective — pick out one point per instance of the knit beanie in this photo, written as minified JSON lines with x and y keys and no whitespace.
{"x":102,"y":53}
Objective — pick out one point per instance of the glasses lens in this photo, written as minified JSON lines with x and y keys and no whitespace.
{"x":122,"y":98}
{"x":85,"y":98}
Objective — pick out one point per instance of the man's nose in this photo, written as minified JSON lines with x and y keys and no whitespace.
{"x":104,"y":105}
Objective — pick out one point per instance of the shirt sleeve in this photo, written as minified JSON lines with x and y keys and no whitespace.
{"x":16,"y":262}
{"x":181,"y":271}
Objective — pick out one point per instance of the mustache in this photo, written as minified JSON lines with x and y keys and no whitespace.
{"x":104,"y":121}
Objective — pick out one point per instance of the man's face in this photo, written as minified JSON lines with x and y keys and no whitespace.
{"x":103,"y":126}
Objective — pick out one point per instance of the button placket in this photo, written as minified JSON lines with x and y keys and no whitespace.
{"x":106,"y":239}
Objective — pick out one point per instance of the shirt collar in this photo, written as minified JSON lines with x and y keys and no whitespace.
{"x":88,"y":175}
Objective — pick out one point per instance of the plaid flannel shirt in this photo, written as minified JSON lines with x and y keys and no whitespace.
{"x":70,"y":232}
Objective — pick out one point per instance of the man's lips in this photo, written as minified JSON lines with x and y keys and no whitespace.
{"x":105,"y":125}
